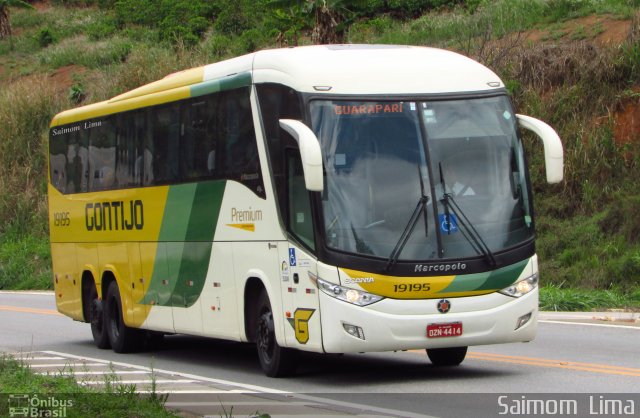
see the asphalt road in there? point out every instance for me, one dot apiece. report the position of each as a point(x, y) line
point(571, 355)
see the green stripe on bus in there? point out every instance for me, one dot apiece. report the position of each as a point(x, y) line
point(498, 279)
point(227, 83)
point(506, 276)
point(205, 211)
point(466, 282)
point(166, 265)
point(199, 241)
point(177, 211)
point(185, 243)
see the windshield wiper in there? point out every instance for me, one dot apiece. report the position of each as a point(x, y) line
point(408, 230)
point(468, 230)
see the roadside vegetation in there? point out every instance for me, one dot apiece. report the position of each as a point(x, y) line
point(573, 63)
point(68, 398)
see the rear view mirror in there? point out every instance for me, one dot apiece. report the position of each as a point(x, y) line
point(553, 153)
point(310, 153)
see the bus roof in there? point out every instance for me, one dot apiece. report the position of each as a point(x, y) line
point(372, 69)
point(332, 69)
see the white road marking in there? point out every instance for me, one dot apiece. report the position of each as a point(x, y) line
point(236, 403)
point(546, 321)
point(37, 366)
point(196, 391)
point(250, 388)
point(245, 388)
point(141, 381)
point(105, 372)
point(32, 293)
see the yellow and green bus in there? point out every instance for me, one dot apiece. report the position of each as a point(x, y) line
point(332, 199)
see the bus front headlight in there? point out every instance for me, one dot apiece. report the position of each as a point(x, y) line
point(521, 287)
point(356, 297)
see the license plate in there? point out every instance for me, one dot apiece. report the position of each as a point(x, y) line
point(452, 329)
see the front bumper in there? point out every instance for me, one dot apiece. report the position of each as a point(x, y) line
point(393, 324)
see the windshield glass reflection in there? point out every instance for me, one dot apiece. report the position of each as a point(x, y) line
point(382, 158)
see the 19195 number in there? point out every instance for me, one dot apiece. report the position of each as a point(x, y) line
point(411, 287)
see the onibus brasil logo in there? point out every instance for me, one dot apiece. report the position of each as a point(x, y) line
point(23, 405)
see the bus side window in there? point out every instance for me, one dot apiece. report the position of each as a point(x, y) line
point(58, 161)
point(129, 163)
point(166, 142)
point(73, 164)
point(212, 138)
point(279, 102)
point(102, 151)
point(239, 148)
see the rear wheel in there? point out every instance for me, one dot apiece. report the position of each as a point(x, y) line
point(275, 361)
point(447, 356)
point(96, 318)
point(123, 339)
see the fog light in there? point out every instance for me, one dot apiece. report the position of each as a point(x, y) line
point(523, 320)
point(353, 330)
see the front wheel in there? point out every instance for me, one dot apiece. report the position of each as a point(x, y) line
point(123, 339)
point(447, 356)
point(275, 361)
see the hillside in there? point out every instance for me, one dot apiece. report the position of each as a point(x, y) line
point(572, 63)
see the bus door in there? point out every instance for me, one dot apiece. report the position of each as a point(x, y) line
point(298, 265)
point(299, 297)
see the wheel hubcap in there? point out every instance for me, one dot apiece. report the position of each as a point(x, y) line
point(265, 335)
point(114, 318)
point(96, 314)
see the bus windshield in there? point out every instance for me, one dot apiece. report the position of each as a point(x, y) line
point(422, 179)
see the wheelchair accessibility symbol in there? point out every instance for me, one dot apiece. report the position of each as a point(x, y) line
point(292, 257)
point(448, 224)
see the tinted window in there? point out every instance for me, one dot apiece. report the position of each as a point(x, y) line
point(279, 102)
point(76, 166)
point(204, 138)
point(129, 149)
point(165, 128)
point(102, 155)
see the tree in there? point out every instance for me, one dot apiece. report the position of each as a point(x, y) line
point(5, 23)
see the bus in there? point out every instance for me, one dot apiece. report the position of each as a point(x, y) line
point(330, 199)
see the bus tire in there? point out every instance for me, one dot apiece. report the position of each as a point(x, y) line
point(96, 318)
point(452, 356)
point(275, 361)
point(123, 339)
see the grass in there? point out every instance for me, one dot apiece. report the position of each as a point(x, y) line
point(592, 252)
point(554, 298)
point(114, 400)
point(25, 262)
point(26, 107)
point(78, 51)
point(461, 30)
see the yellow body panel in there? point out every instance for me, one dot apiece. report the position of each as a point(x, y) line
point(83, 238)
point(108, 107)
point(107, 217)
point(170, 82)
point(67, 281)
